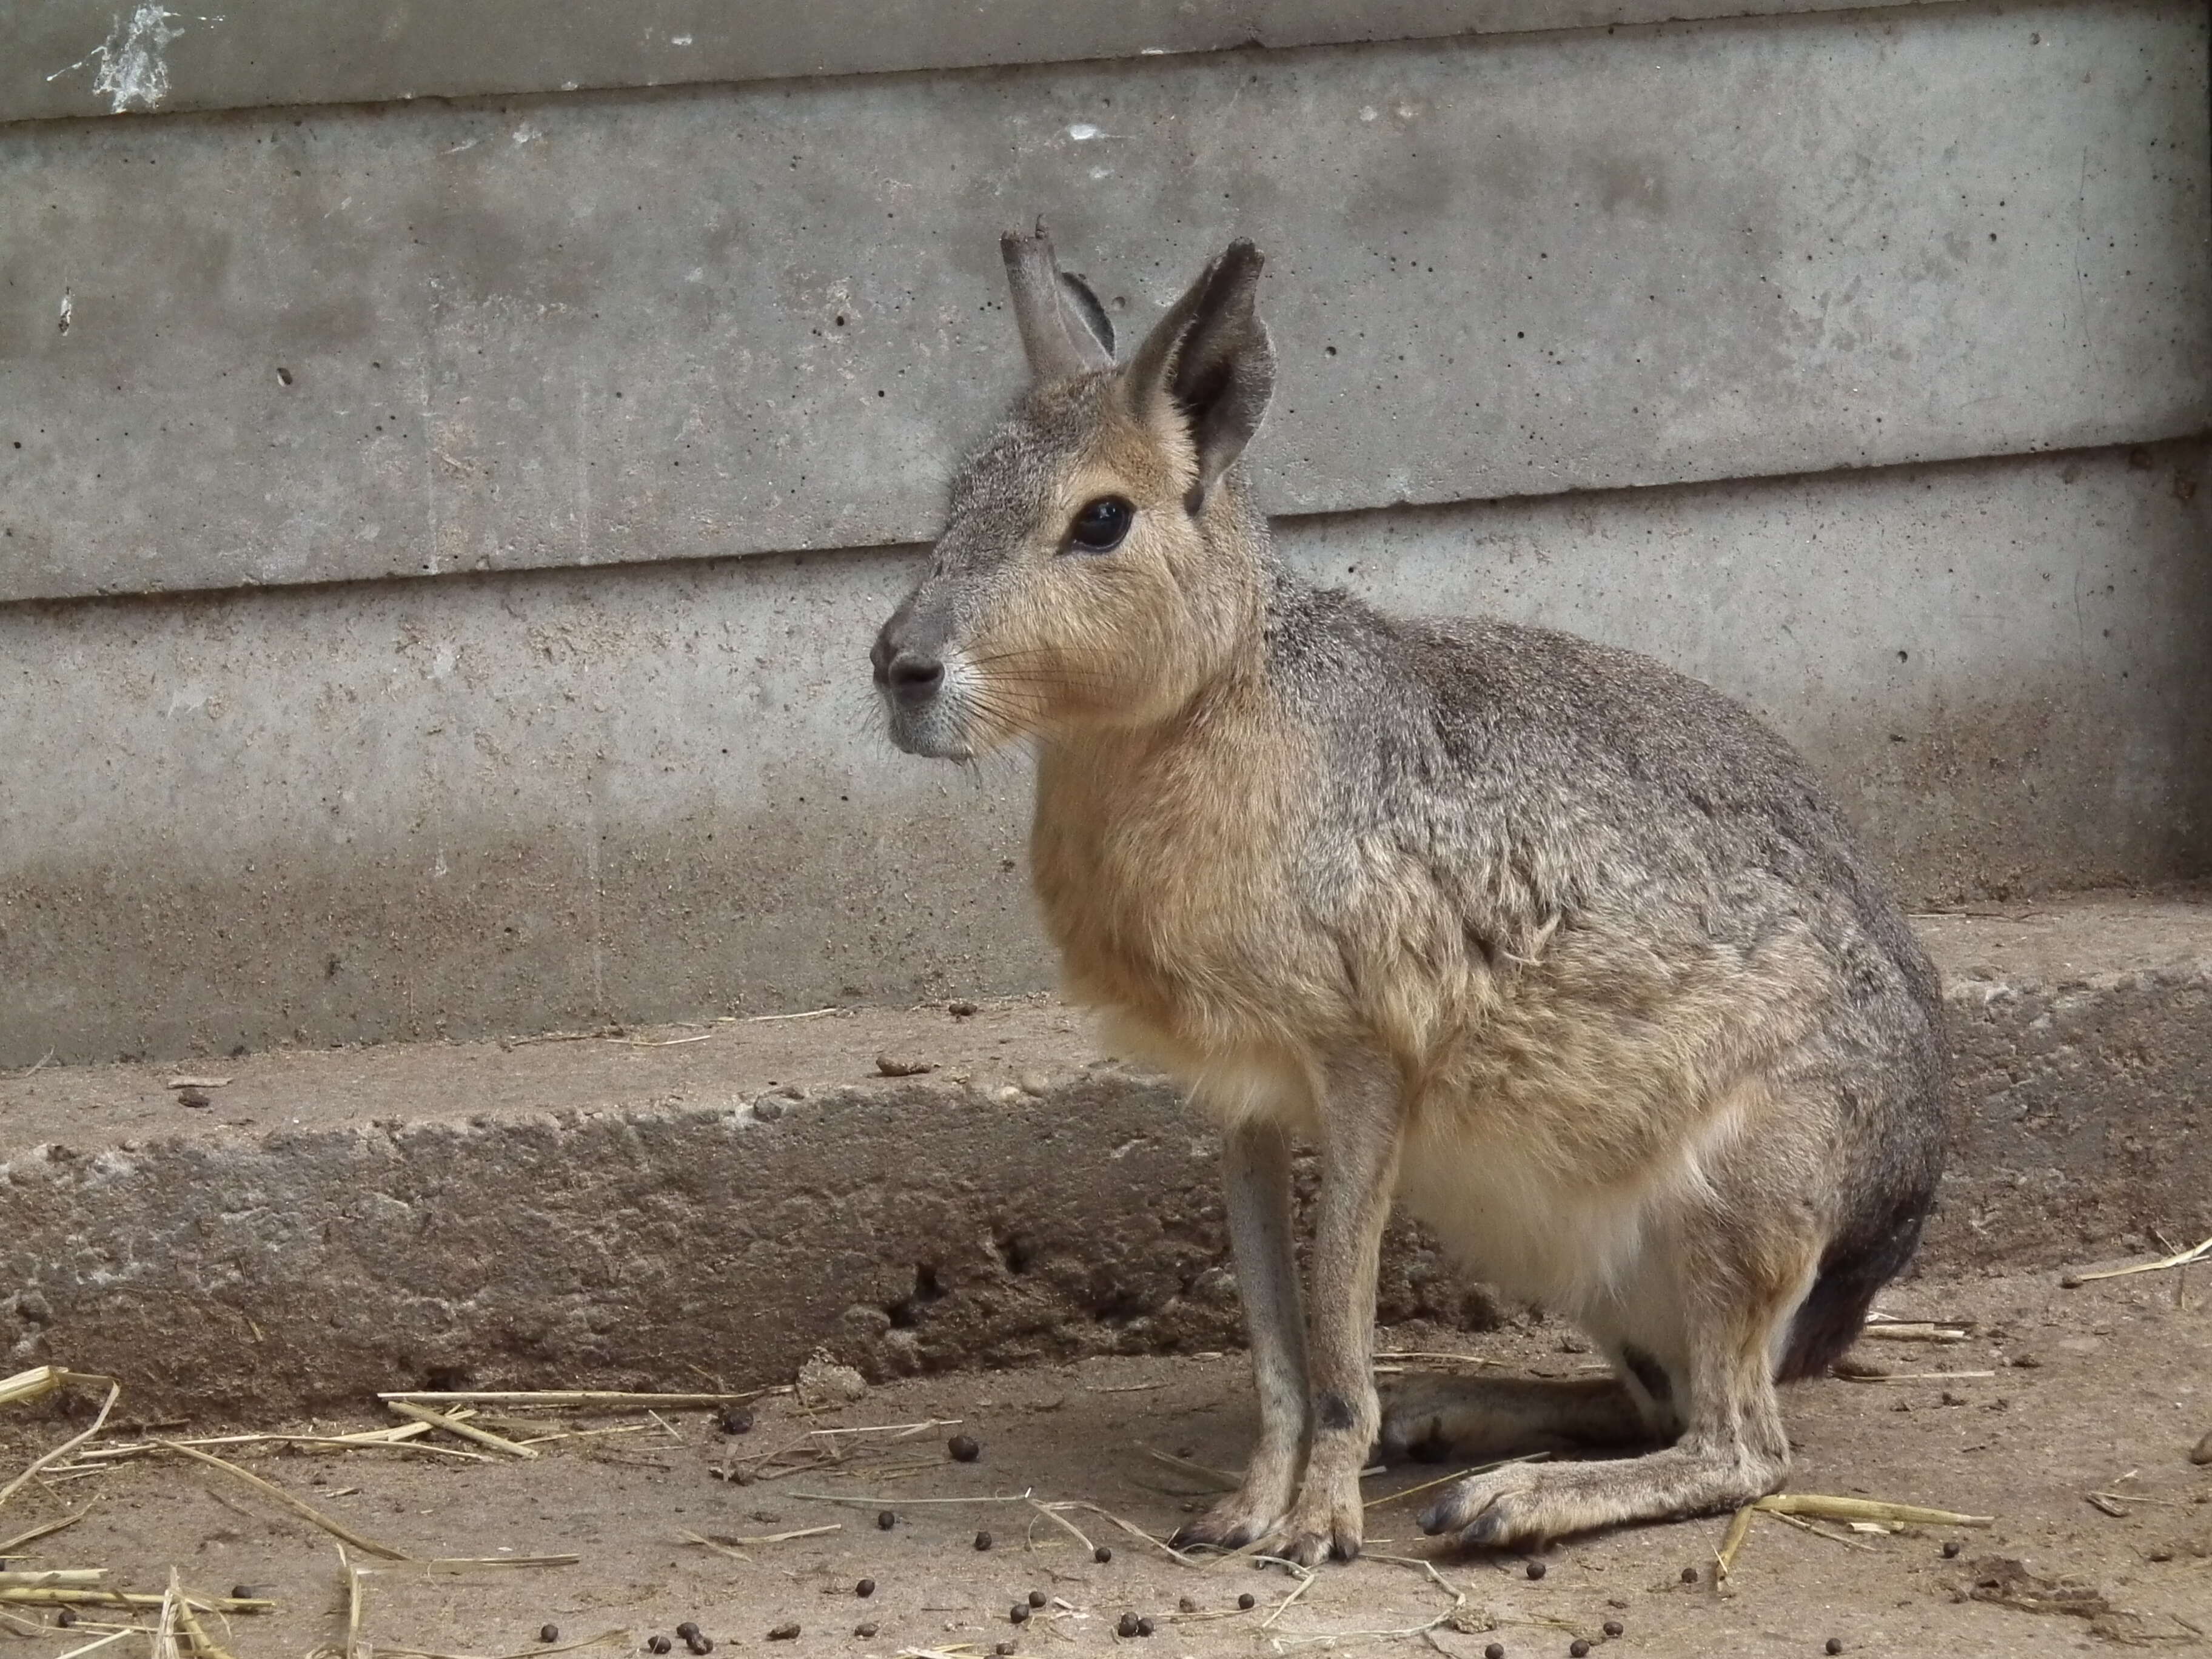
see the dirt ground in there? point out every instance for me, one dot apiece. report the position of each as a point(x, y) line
point(2099, 1390)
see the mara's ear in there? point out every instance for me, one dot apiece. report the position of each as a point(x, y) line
point(1060, 320)
point(1092, 315)
point(1210, 363)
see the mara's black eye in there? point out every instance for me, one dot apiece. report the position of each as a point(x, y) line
point(1099, 528)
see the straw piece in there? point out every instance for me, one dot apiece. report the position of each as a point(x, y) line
point(94, 1646)
point(353, 1604)
point(599, 1641)
point(57, 1575)
point(735, 1547)
point(44, 1529)
point(1064, 1524)
point(2178, 1259)
point(1739, 1528)
point(1866, 1508)
point(408, 1408)
point(466, 1562)
point(71, 1597)
point(589, 1398)
point(203, 1646)
point(114, 1393)
point(304, 1511)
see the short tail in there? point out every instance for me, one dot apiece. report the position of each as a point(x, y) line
point(1853, 1270)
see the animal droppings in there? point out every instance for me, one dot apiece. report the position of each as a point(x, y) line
point(963, 1448)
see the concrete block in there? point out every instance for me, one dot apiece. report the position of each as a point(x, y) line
point(516, 802)
point(80, 58)
point(348, 342)
point(618, 1211)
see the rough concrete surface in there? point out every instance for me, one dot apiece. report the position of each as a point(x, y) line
point(78, 58)
point(519, 802)
point(2066, 1394)
point(606, 1211)
point(357, 342)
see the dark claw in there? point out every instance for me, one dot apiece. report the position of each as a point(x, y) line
point(1485, 1529)
point(1341, 1551)
point(1437, 1517)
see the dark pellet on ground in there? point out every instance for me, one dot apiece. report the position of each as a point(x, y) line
point(1144, 1627)
point(550, 1633)
point(1536, 1568)
point(1495, 1650)
point(964, 1448)
point(1578, 1649)
point(960, 1006)
point(865, 1631)
point(1248, 1601)
point(1126, 1626)
point(1186, 1605)
point(866, 1588)
point(784, 1633)
point(1614, 1627)
point(1951, 1547)
point(658, 1644)
point(1019, 1613)
point(1038, 1598)
point(1689, 1575)
point(687, 1631)
point(738, 1419)
point(701, 1644)
point(1102, 1555)
point(1833, 1644)
point(65, 1618)
point(885, 1520)
point(982, 1541)
point(1004, 1650)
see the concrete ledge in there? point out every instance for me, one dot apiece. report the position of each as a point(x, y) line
point(78, 58)
point(617, 1210)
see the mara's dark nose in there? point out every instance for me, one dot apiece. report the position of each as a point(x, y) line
point(908, 675)
point(915, 680)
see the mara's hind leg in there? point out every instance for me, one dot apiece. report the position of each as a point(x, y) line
point(1433, 1418)
point(1732, 1450)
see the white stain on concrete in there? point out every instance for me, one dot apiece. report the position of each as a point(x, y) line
point(679, 40)
point(134, 70)
point(524, 135)
point(68, 311)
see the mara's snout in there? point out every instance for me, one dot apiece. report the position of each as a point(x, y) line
point(918, 688)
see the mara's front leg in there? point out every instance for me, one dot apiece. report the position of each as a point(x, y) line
point(1362, 1125)
point(1256, 1169)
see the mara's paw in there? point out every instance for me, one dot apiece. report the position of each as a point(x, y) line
point(1230, 1524)
point(1322, 1526)
point(1503, 1508)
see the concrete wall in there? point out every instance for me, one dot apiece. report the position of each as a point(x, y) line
point(1906, 313)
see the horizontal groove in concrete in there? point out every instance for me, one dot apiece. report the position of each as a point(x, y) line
point(618, 1210)
point(355, 343)
point(86, 57)
point(394, 811)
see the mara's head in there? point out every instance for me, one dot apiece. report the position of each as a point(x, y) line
point(1100, 562)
